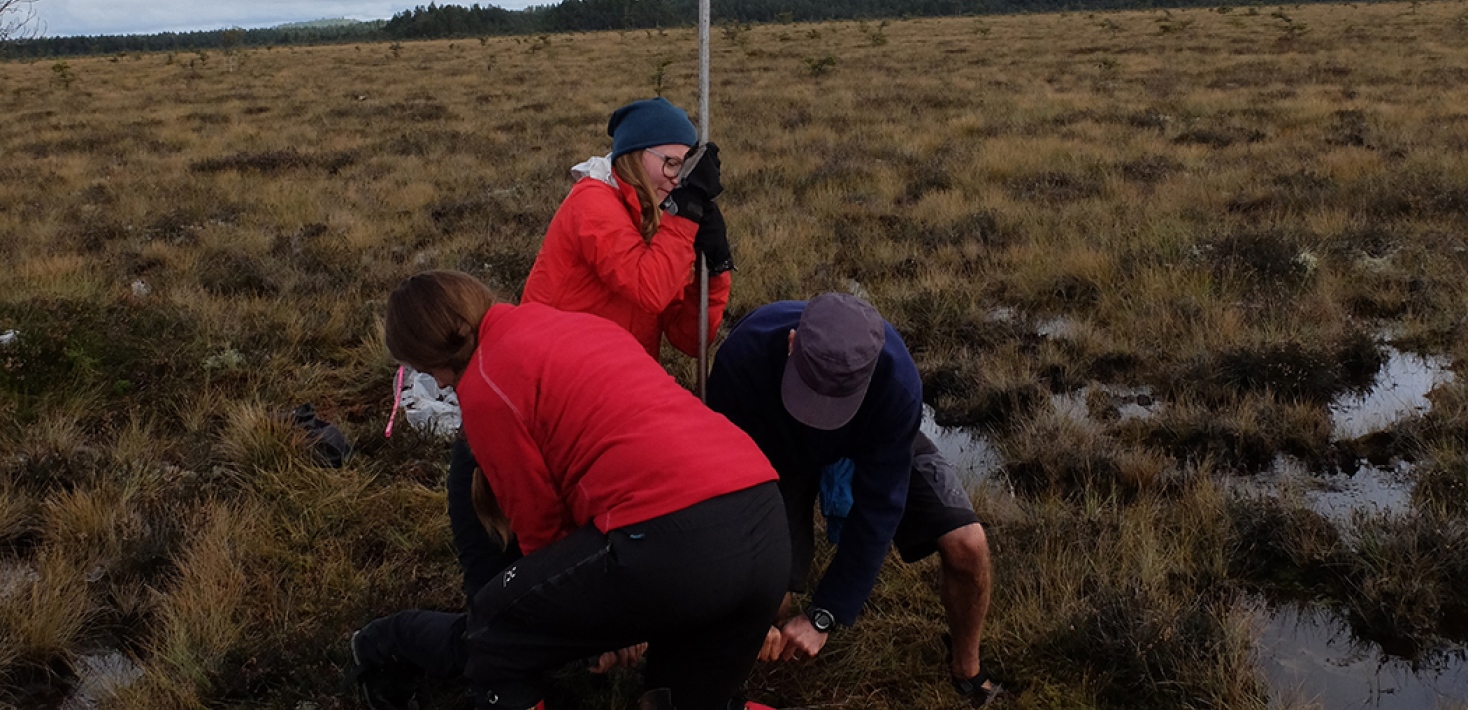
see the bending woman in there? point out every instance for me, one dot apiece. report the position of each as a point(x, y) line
point(621, 246)
point(643, 515)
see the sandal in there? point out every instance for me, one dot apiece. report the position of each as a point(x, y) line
point(980, 690)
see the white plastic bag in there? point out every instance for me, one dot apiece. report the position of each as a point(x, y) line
point(429, 407)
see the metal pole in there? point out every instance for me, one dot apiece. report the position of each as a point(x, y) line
point(703, 70)
point(704, 12)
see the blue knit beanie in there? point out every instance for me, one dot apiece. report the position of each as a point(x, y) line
point(649, 123)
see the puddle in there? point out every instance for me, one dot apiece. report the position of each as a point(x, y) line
point(1377, 489)
point(974, 457)
point(1371, 489)
point(1126, 402)
point(98, 677)
point(1309, 657)
point(1400, 391)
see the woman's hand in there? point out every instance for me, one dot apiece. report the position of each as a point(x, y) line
point(774, 644)
point(625, 658)
point(712, 240)
point(706, 176)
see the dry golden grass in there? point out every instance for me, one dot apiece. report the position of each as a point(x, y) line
point(44, 611)
point(1220, 206)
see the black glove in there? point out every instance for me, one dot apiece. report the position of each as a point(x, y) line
point(687, 203)
point(705, 175)
point(712, 240)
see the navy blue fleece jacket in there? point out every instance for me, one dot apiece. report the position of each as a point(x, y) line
point(744, 385)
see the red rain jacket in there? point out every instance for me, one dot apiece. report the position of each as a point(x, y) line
point(572, 423)
point(594, 260)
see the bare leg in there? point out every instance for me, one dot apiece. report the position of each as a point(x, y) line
point(964, 588)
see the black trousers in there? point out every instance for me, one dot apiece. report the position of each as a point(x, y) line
point(701, 586)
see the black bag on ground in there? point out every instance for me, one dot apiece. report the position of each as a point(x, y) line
point(328, 445)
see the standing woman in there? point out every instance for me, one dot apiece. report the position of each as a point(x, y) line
point(643, 515)
point(621, 246)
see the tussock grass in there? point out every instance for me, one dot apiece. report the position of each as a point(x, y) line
point(1209, 205)
point(1116, 629)
point(1387, 573)
point(45, 610)
point(16, 514)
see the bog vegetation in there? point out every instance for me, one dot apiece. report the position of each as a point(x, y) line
point(1235, 210)
point(480, 21)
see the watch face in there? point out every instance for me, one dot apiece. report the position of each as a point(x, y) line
point(822, 619)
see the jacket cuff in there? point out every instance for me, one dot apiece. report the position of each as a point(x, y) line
point(844, 613)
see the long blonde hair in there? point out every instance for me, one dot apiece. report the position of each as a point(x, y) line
point(629, 169)
point(433, 319)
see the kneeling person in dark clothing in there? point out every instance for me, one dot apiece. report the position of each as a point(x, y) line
point(601, 465)
point(815, 383)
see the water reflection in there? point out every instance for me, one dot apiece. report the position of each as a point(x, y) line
point(1309, 657)
point(1124, 402)
point(974, 457)
point(1400, 391)
point(1371, 489)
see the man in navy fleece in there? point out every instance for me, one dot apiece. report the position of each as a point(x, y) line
point(829, 380)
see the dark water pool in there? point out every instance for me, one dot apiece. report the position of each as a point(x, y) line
point(972, 454)
point(1399, 391)
point(1310, 659)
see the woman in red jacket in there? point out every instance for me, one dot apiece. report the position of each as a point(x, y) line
point(623, 243)
point(643, 515)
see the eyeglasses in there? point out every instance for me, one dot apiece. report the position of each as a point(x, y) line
point(671, 165)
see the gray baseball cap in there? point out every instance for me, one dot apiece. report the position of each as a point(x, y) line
point(837, 343)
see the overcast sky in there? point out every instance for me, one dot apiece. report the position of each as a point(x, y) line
point(95, 17)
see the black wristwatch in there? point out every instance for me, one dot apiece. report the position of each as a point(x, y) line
point(821, 619)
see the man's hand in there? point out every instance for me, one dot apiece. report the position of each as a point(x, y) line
point(774, 643)
point(625, 658)
point(801, 639)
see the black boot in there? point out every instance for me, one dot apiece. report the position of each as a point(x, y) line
point(382, 682)
point(660, 699)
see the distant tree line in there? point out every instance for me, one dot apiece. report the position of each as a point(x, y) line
point(446, 21)
point(192, 41)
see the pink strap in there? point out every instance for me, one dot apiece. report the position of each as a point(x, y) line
point(397, 401)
